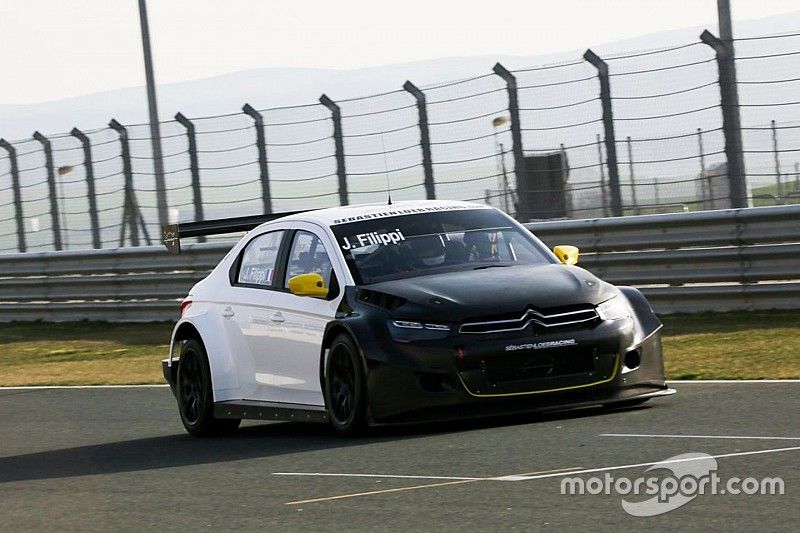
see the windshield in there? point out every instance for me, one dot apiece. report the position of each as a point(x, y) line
point(407, 246)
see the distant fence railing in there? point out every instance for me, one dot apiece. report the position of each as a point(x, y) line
point(735, 259)
point(634, 133)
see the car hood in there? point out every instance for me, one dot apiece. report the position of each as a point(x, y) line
point(455, 296)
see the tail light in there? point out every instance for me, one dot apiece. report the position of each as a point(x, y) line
point(185, 304)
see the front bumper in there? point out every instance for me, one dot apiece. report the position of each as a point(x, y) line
point(430, 380)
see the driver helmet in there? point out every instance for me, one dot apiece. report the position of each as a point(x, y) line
point(427, 250)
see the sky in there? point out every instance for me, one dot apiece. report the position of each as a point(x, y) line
point(54, 49)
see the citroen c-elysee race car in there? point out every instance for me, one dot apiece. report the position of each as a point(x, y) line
point(414, 311)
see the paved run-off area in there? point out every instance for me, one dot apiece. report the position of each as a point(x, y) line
point(118, 458)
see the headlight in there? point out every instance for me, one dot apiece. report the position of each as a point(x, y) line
point(614, 309)
point(410, 330)
point(419, 325)
point(407, 324)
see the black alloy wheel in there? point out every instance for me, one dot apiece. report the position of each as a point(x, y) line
point(345, 394)
point(194, 394)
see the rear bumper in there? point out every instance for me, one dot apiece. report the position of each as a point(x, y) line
point(170, 373)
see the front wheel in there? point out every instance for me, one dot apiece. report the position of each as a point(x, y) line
point(345, 387)
point(194, 393)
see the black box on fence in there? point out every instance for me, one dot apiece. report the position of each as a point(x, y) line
point(542, 187)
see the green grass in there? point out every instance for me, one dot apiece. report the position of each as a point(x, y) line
point(755, 345)
point(82, 353)
point(765, 196)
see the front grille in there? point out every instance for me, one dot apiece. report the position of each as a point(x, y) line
point(547, 319)
point(537, 371)
point(524, 366)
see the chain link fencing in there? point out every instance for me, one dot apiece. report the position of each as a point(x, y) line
point(540, 142)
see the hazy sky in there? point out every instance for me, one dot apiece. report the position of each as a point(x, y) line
point(58, 48)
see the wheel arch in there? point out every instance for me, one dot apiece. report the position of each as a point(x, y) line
point(646, 320)
point(213, 338)
point(332, 330)
point(183, 331)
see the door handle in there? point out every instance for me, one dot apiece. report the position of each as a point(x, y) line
point(227, 312)
point(277, 317)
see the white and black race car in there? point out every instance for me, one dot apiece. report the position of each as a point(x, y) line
point(414, 311)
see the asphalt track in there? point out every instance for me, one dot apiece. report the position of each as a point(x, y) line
point(118, 458)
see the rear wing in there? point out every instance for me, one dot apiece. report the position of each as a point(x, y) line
point(172, 234)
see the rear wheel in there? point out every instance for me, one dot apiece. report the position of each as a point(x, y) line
point(194, 393)
point(345, 387)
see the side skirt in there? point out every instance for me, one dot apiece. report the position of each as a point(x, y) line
point(255, 410)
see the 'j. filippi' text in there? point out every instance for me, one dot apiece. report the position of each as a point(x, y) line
point(367, 239)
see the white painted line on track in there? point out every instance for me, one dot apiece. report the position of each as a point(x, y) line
point(733, 437)
point(562, 472)
point(45, 387)
point(730, 381)
point(383, 491)
point(392, 476)
point(418, 487)
point(639, 465)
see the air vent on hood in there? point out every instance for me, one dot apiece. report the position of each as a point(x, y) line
point(380, 299)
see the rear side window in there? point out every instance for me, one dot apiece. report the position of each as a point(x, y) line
point(259, 259)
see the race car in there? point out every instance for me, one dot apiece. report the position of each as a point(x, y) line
point(414, 311)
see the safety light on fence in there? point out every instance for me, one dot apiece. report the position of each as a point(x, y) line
point(499, 121)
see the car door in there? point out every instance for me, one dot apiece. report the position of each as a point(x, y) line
point(299, 321)
point(246, 312)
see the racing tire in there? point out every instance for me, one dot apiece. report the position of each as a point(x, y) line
point(345, 387)
point(195, 396)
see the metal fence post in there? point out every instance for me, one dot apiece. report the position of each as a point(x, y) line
point(155, 129)
point(261, 144)
point(656, 196)
point(128, 210)
point(338, 141)
point(566, 195)
point(603, 191)
point(705, 181)
point(90, 190)
point(12, 159)
point(55, 218)
point(731, 121)
point(504, 174)
point(778, 181)
point(194, 168)
point(634, 201)
point(608, 127)
point(516, 134)
point(424, 138)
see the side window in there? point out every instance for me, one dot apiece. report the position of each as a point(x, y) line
point(308, 255)
point(259, 258)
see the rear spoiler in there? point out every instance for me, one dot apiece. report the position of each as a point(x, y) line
point(172, 234)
